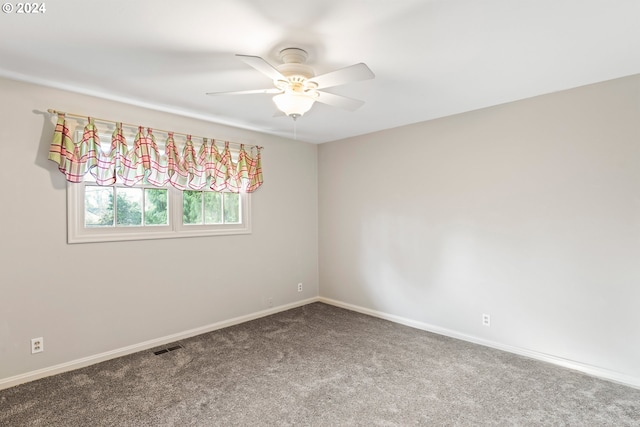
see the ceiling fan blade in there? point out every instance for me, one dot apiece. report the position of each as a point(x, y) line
point(263, 66)
point(353, 73)
point(339, 101)
point(246, 92)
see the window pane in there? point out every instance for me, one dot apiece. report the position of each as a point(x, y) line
point(231, 208)
point(98, 206)
point(192, 207)
point(129, 206)
point(212, 208)
point(155, 206)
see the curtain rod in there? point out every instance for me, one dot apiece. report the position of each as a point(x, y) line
point(85, 116)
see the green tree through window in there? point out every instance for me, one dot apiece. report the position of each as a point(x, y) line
point(208, 207)
point(156, 206)
point(99, 206)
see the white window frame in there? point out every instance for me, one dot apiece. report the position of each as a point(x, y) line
point(78, 233)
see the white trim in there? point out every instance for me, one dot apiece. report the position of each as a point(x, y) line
point(566, 363)
point(97, 358)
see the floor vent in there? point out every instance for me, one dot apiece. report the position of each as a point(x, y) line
point(167, 350)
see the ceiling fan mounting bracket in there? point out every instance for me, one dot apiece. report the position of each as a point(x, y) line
point(293, 55)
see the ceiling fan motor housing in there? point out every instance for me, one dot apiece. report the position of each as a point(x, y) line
point(295, 69)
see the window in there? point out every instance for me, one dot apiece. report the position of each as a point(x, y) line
point(143, 211)
point(208, 207)
point(115, 213)
point(125, 207)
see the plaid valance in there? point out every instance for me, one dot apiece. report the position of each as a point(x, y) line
point(209, 166)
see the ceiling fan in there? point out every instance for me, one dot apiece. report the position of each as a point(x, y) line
point(296, 87)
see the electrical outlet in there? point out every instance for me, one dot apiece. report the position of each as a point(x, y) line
point(37, 345)
point(270, 302)
point(300, 287)
point(486, 320)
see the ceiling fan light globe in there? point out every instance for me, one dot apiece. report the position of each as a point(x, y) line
point(293, 103)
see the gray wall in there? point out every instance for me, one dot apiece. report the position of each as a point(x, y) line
point(93, 298)
point(528, 211)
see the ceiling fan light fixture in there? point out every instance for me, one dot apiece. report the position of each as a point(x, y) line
point(294, 104)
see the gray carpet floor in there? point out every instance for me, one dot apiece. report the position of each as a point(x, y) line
point(320, 365)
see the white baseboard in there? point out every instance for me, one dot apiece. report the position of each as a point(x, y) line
point(91, 360)
point(567, 363)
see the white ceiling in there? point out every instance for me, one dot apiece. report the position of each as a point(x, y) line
point(432, 58)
